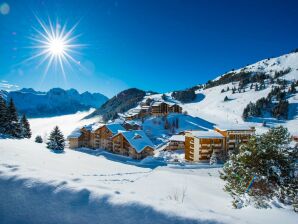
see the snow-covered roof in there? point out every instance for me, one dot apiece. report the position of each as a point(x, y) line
point(231, 127)
point(137, 139)
point(93, 127)
point(115, 128)
point(178, 138)
point(75, 133)
point(206, 134)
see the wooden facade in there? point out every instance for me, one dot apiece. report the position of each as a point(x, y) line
point(102, 138)
point(200, 147)
point(112, 141)
point(235, 137)
point(123, 147)
point(162, 108)
point(176, 142)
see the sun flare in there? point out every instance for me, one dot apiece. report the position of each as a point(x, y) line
point(55, 44)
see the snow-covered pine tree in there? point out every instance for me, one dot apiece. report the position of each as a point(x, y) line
point(56, 140)
point(25, 127)
point(38, 139)
point(13, 127)
point(269, 162)
point(213, 159)
point(3, 118)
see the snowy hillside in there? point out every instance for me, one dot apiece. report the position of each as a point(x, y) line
point(54, 102)
point(212, 106)
point(87, 186)
point(209, 104)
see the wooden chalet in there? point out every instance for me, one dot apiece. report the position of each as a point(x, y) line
point(162, 108)
point(102, 136)
point(235, 135)
point(176, 142)
point(199, 145)
point(134, 144)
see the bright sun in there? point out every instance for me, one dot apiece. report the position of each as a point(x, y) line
point(57, 46)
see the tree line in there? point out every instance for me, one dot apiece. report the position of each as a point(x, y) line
point(10, 124)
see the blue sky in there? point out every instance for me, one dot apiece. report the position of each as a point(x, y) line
point(158, 45)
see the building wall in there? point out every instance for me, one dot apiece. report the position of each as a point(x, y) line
point(175, 145)
point(189, 150)
point(73, 143)
point(200, 149)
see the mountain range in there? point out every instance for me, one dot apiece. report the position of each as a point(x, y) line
point(54, 102)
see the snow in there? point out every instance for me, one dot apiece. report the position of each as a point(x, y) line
point(92, 186)
point(66, 123)
point(75, 133)
point(137, 139)
point(115, 128)
point(206, 134)
point(226, 127)
point(178, 138)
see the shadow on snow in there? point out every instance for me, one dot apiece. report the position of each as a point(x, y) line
point(24, 202)
point(148, 162)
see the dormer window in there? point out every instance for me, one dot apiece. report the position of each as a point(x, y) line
point(137, 136)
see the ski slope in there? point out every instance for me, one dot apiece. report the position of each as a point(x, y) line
point(86, 186)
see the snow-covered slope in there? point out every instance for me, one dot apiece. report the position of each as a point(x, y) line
point(54, 102)
point(210, 105)
point(87, 186)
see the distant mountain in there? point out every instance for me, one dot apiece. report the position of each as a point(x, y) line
point(120, 103)
point(56, 101)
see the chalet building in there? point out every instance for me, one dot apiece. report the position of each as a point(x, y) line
point(176, 142)
point(162, 108)
point(73, 138)
point(102, 136)
point(134, 144)
point(175, 109)
point(235, 135)
point(131, 125)
point(199, 145)
point(80, 138)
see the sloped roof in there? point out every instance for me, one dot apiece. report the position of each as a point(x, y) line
point(206, 134)
point(137, 139)
point(115, 128)
point(75, 133)
point(93, 127)
point(232, 127)
point(178, 138)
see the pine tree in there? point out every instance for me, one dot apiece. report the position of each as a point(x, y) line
point(38, 139)
point(3, 118)
point(226, 98)
point(56, 140)
point(268, 162)
point(13, 127)
point(25, 127)
point(213, 159)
